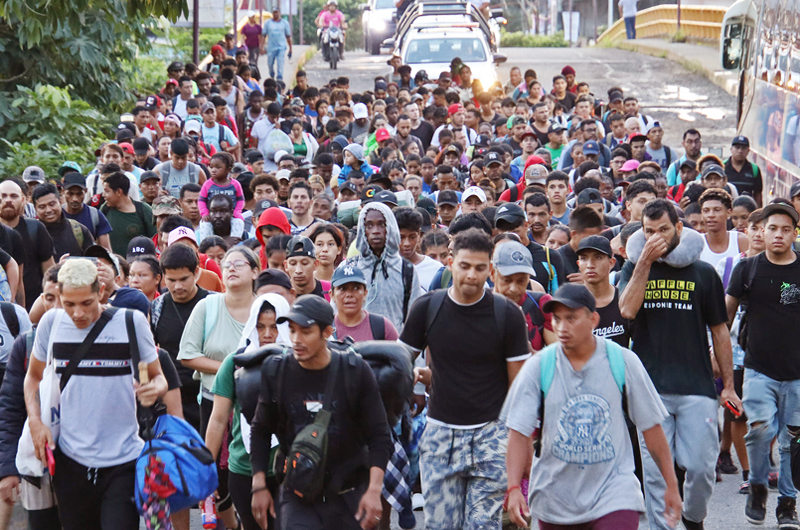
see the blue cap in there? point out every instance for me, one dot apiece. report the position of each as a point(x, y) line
point(347, 274)
point(740, 140)
point(591, 148)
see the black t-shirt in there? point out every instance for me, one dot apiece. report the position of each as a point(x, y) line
point(12, 243)
point(167, 335)
point(568, 102)
point(669, 334)
point(542, 136)
point(149, 164)
point(515, 146)
point(773, 316)
point(468, 357)
point(570, 259)
point(540, 265)
point(38, 249)
point(745, 180)
point(424, 132)
point(318, 290)
point(612, 325)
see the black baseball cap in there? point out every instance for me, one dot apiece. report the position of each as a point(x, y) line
point(147, 175)
point(711, 169)
point(386, 197)
point(141, 146)
point(253, 155)
point(369, 192)
point(175, 66)
point(426, 203)
point(140, 246)
point(492, 157)
point(572, 295)
point(794, 190)
point(263, 205)
point(447, 197)
point(780, 208)
point(555, 127)
point(482, 140)
point(740, 140)
point(510, 213)
point(349, 186)
point(273, 277)
point(518, 120)
point(72, 179)
point(426, 219)
point(96, 251)
point(689, 163)
point(308, 310)
point(300, 246)
point(598, 243)
point(589, 196)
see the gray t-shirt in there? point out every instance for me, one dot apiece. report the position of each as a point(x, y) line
point(98, 405)
point(586, 467)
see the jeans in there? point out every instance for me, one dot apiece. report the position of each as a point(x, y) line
point(771, 407)
point(275, 61)
point(691, 431)
point(331, 513)
point(630, 27)
point(252, 55)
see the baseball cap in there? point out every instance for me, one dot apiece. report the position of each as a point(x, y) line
point(175, 66)
point(637, 136)
point(794, 190)
point(741, 140)
point(598, 243)
point(253, 155)
point(369, 191)
point(712, 169)
point(181, 233)
point(308, 310)
point(482, 140)
point(473, 191)
point(147, 175)
point(207, 106)
point(347, 274)
point(33, 174)
point(416, 97)
point(386, 197)
point(535, 173)
point(273, 277)
point(426, 219)
point(122, 134)
point(447, 197)
point(688, 163)
point(360, 111)
point(300, 246)
point(510, 213)
point(444, 75)
point(381, 85)
point(630, 165)
point(68, 167)
point(283, 174)
point(296, 102)
point(455, 107)
point(141, 146)
point(589, 196)
point(516, 120)
point(140, 246)
point(554, 128)
point(591, 148)
point(426, 203)
point(572, 295)
point(382, 134)
point(615, 96)
point(251, 14)
point(72, 179)
point(568, 70)
point(492, 158)
point(166, 205)
point(126, 147)
point(152, 102)
point(192, 126)
point(349, 186)
point(513, 258)
point(781, 208)
point(96, 251)
point(263, 205)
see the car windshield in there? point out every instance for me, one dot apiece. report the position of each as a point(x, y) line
point(468, 49)
point(384, 4)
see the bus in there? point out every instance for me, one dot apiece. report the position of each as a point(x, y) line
point(761, 40)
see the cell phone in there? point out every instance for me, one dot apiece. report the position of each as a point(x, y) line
point(51, 460)
point(734, 410)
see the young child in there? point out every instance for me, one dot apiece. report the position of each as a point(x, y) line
point(220, 166)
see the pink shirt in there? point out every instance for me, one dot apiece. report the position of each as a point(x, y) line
point(363, 331)
point(336, 18)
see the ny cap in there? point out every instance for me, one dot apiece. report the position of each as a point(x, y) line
point(598, 243)
point(308, 310)
point(572, 295)
point(347, 274)
point(181, 233)
point(513, 258)
point(492, 158)
point(140, 246)
point(300, 246)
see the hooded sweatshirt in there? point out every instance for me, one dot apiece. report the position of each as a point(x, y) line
point(533, 159)
point(272, 217)
point(384, 273)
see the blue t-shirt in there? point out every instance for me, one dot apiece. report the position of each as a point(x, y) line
point(276, 33)
point(85, 218)
point(211, 136)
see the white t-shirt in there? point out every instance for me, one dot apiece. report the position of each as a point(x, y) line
point(6, 338)
point(426, 270)
point(180, 108)
point(98, 405)
point(628, 8)
point(260, 131)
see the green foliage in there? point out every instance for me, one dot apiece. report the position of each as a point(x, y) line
point(180, 41)
point(678, 36)
point(523, 40)
point(146, 76)
point(352, 15)
point(19, 155)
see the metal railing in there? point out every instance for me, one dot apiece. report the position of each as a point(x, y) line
point(697, 22)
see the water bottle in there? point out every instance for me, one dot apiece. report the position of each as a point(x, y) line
point(209, 513)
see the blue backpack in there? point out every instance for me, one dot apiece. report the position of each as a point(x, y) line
point(186, 459)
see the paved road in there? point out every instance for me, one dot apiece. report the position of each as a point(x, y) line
point(678, 98)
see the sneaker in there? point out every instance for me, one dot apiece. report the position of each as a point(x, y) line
point(756, 509)
point(718, 475)
point(744, 487)
point(418, 501)
point(725, 464)
point(691, 525)
point(773, 479)
point(787, 514)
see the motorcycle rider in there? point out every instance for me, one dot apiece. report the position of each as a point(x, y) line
point(331, 16)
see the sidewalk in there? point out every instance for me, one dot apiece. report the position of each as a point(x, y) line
point(290, 66)
point(696, 57)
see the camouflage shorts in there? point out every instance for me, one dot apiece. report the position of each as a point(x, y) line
point(463, 476)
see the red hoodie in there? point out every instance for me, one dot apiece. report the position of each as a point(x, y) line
point(533, 159)
point(270, 217)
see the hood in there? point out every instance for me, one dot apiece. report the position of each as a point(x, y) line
point(392, 232)
point(249, 337)
point(341, 140)
point(687, 252)
point(533, 159)
point(275, 217)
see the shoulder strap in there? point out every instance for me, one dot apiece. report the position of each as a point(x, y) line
point(617, 362)
point(532, 301)
point(212, 313)
point(83, 349)
point(378, 326)
point(95, 217)
point(33, 228)
point(447, 276)
point(513, 193)
point(726, 274)
point(547, 369)
point(408, 284)
point(133, 342)
point(219, 135)
point(10, 316)
point(76, 231)
point(165, 171)
point(336, 360)
point(104, 209)
point(754, 167)
point(668, 152)
point(30, 337)
point(434, 305)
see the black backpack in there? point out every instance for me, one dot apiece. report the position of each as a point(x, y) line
point(749, 272)
point(532, 306)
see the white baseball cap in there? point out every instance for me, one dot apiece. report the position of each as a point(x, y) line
point(192, 126)
point(360, 111)
point(473, 191)
point(283, 174)
point(279, 154)
point(181, 233)
point(251, 14)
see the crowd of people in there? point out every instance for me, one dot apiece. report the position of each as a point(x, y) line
point(527, 241)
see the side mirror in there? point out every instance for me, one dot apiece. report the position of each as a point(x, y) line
point(500, 58)
point(363, 7)
point(732, 46)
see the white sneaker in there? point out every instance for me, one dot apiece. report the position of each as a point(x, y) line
point(417, 501)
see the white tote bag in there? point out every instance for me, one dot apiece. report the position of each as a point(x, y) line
point(50, 402)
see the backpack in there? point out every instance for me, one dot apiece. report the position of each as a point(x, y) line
point(139, 212)
point(408, 284)
point(749, 272)
point(10, 317)
point(192, 169)
point(548, 369)
point(537, 317)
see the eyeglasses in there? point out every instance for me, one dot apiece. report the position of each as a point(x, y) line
point(236, 264)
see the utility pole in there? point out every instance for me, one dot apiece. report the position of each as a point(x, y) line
point(300, 10)
point(235, 25)
point(196, 32)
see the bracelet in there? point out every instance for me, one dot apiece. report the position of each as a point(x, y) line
point(257, 490)
point(512, 488)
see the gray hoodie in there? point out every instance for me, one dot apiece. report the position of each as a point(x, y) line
point(384, 274)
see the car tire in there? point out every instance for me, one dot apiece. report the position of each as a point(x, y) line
point(374, 47)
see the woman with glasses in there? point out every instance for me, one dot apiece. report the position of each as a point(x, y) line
point(212, 333)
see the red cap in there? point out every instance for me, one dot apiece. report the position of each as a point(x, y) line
point(217, 48)
point(172, 82)
point(382, 134)
point(128, 148)
point(567, 70)
point(455, 107)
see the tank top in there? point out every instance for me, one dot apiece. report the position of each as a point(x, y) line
point(230, 99)
point(732, 251)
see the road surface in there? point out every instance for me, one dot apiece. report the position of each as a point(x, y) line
point(679, 99)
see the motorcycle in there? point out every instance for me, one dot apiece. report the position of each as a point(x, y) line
point(331, 44)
